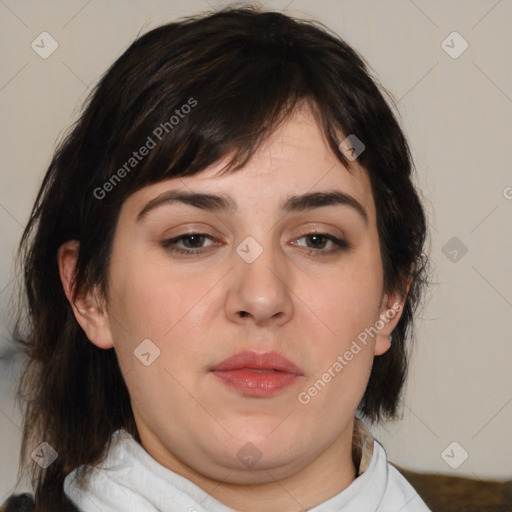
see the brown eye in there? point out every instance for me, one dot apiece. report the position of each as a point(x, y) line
point(317, 243)
point(191, 243)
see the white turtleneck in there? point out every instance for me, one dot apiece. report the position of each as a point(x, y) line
point(131, 480)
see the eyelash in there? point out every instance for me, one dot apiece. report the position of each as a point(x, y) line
point(340, 245)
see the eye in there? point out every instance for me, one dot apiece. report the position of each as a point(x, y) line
point(192, 243)
point(317, 243)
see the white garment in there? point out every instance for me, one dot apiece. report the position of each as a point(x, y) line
point(131, 480)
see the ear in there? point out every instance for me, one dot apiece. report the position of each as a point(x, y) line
point(87, 306)
point(390, 312)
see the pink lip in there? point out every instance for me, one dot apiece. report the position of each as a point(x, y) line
point(253, 374)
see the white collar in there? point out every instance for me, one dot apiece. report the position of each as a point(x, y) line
point(130, 479)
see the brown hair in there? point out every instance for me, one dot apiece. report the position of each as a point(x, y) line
point(242, 71)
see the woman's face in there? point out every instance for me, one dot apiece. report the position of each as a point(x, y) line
point(264, 275)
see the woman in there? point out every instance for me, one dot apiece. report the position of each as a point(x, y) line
point(221, 271)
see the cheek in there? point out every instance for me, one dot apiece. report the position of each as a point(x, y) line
point(343, 358)
point(154, 302)
point(153, 299)
point(348, 301)
point(347, 304)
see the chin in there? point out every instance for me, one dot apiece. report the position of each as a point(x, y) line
point(266, 470)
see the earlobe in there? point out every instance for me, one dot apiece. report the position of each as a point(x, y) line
point(390, 313)
point(89, 312)
point(382, 344)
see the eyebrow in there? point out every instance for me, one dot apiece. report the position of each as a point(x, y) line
point(217, 203)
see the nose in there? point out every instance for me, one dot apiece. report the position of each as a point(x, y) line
point(260, 289)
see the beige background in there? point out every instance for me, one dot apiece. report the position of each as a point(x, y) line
point(457, 113)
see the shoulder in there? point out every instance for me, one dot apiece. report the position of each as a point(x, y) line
point(19, 503)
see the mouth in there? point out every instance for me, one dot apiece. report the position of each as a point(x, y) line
point(258, 375)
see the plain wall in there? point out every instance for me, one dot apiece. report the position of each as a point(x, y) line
point(457, 113)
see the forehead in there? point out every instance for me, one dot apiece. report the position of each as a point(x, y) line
point(294, 160)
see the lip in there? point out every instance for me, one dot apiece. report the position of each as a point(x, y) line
point(257, 374)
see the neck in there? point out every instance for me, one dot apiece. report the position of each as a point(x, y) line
point(327, 475)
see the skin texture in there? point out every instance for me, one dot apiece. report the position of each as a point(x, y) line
point(307, 307)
